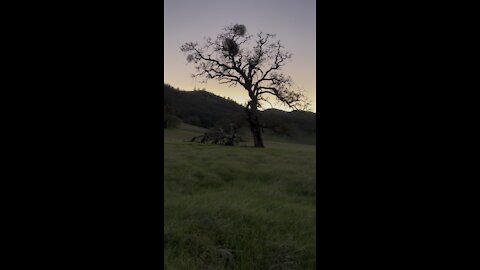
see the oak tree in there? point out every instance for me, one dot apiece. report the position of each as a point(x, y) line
point(253, 61)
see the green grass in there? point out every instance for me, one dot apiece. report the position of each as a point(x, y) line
point(238, 207)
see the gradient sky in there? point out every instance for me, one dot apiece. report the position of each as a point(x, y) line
point(191, 20)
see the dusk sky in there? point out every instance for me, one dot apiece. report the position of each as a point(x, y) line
point(293, 21)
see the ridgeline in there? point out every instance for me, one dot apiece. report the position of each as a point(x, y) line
point(204, 109)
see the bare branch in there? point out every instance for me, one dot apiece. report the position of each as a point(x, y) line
point(252, 61)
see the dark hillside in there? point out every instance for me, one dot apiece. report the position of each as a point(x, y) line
point(204, 109)
point(201, 108)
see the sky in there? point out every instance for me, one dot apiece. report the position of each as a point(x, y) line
point(293, 22)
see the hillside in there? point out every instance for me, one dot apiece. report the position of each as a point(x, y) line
point(204, 109)
point(200, 108)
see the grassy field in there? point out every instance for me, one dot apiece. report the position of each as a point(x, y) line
point(238, 207)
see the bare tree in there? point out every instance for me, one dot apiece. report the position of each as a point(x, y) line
point(254, 62)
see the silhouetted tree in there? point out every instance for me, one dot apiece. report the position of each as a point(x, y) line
point(253, 62)
point(169, 118)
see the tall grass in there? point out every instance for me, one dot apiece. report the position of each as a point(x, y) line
point(238, 207)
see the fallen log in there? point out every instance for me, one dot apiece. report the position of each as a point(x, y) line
point(217, 136)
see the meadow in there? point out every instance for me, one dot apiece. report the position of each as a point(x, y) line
point(238, 207)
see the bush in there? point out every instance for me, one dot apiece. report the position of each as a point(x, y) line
point(170, 121)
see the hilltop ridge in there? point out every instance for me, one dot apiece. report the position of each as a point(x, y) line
point(205, 109)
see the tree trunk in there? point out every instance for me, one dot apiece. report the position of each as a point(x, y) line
point(255, 126)
point(257, 137)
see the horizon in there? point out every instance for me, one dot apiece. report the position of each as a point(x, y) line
point(230, 99)
point(270, 16)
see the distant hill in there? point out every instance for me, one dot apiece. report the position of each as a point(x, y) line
point(204, 109)
point(201, 108)
point(290, 122)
